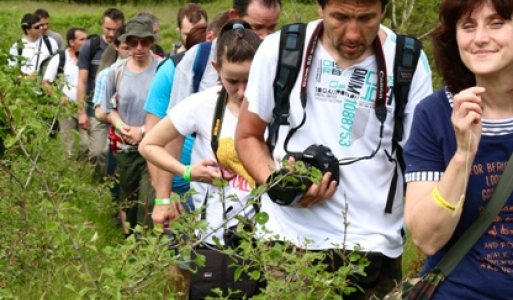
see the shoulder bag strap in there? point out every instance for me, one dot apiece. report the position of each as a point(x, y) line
point(476, 230)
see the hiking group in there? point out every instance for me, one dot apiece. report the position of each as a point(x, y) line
point(238, 102)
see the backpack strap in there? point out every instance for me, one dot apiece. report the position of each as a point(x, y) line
point(176, 58)
point(200, 63)
point(94, 45)
point(48, 44)
point(62, 61)
point(118, 74)
point(19, 45)
point(292, 40)
point(407, 55)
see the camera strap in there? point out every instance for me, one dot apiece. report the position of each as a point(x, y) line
point(379, 102)
point(217, 120)
point(217, 124)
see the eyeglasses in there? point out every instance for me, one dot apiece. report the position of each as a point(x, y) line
point(143, 42)
point(37, 27)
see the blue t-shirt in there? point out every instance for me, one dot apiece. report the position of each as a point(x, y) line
point(486, 272)
point(157, 103)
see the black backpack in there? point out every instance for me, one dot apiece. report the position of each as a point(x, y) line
point(94, 45)
point(292, 40)
point(60, 68)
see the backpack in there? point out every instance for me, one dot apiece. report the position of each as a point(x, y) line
point(292, 39)
point(46, 61)
point(94, 45)
point(199, 65)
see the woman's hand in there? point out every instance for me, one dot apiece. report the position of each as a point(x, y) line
point(466, 119)
point(205, 171)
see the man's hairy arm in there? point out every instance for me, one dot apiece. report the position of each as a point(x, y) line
point(251, 146)
point(83, 120)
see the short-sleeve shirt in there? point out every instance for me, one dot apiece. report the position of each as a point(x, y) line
point(132, 91)
point(70, 74)
point(486, 271)
point(184, 75)
point(194, 115)
point(339, 114)
point(90, 61)
point(33, 52)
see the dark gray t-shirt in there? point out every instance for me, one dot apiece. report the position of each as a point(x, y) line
point(91, 61)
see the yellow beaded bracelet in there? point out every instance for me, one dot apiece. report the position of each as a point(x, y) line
point(441, 201)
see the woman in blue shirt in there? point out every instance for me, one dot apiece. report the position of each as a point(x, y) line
point(461, 139)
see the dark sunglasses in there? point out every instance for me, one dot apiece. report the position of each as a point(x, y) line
point(37, 26)
point(142, 42)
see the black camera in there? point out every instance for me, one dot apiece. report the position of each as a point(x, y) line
point(232, 238)
point(290, 191)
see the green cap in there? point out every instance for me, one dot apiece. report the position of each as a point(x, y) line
point(140, 26)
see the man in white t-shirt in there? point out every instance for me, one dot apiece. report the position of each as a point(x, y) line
point(341, 88)
point(75, 38)
point(33, 47)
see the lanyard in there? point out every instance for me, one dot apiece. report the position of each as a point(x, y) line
point(379, 102)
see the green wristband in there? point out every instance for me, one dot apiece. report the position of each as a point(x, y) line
point(119, 125)
point(162, 201)
point(187, 173)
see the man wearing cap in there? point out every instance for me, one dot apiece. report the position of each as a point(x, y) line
point(127, 84)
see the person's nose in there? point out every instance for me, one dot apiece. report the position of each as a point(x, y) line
point(241, 89)
point(352, 32)
point(481, 35)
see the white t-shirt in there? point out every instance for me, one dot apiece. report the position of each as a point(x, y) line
point(34, 53)
point(340, 115)
point(70, 74)
point(194, 115)
point(183, 81)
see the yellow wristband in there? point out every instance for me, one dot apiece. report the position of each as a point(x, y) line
point(441, 201)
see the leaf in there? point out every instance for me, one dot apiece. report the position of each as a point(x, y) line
point(237, 273)
point(10, 140)
point(70, 287)
point(255, 275)
point(95, 237)
point(261, 218)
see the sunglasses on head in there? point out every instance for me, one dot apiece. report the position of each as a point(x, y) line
point(143, 42)
point(235, 25)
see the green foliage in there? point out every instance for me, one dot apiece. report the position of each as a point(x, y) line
point(57, 238)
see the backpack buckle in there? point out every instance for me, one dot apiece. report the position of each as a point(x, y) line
point(284, 118)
